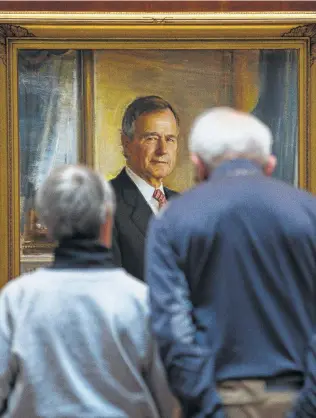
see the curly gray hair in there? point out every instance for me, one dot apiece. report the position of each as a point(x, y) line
point(74, 201)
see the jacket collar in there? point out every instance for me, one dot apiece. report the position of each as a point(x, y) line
point(129, 188)
point(140, 211)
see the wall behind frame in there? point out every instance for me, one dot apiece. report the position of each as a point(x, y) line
point(159, 6)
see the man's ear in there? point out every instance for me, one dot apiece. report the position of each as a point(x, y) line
point(270, 165)
point(201, 170)
point(106, 231)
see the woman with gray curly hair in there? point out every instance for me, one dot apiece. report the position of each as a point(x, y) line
point(75, 339)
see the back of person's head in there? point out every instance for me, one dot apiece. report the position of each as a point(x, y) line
point(224, 133)
point(74, 201)
point(141, 105)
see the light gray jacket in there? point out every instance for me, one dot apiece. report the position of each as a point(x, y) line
point(77, 343)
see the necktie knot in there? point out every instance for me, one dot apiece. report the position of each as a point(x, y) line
point(160, 197)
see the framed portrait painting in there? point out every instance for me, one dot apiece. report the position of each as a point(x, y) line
point(69, 78)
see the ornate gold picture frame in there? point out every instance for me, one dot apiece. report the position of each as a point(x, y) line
point(103, 61)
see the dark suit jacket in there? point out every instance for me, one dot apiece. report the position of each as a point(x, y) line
point(130, 226)
point(232, 275)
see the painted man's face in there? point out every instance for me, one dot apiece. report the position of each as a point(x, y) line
point(152, 152)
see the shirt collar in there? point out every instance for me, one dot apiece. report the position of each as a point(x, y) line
point(236, 168)
point(146, 189)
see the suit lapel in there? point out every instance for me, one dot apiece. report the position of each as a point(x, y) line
point(140, 211)
point(169, 193)
point(141, 214)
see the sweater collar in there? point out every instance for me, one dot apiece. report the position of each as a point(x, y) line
point(83, 254)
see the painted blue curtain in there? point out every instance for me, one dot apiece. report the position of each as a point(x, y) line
point(48, 117)
point(278, 107)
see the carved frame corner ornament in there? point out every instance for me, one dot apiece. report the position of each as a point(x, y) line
point(11, 31)
point(308, 31)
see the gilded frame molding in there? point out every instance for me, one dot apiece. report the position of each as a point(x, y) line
point(88, 31)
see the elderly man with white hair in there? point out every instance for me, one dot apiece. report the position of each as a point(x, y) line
point(231, 267)
point(75, 339)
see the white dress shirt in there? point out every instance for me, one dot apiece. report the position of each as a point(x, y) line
point(146, 189)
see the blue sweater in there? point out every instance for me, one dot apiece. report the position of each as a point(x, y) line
point(231, 266)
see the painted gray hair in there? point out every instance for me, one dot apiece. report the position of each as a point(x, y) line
point(222, 131)
point(141, 105)
point(74, 201)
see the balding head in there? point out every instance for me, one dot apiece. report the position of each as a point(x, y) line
point(224, 133)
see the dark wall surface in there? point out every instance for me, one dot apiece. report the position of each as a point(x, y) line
point(158, 6)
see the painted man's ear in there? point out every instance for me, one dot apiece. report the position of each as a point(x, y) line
point(125, 140)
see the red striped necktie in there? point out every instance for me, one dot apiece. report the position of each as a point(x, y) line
point(160, 197)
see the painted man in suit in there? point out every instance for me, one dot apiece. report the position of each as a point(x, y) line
point(150, 130)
